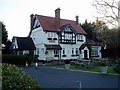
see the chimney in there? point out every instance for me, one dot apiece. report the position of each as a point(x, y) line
point(31, 20)
point(31, 24)
point(57, 17)
point(77, 20)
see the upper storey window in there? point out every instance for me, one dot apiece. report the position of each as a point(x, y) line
point(67, 35)
point(52, 36)
point(79, 37)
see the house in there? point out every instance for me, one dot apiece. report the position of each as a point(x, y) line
point(95, 48)
point(23, 45)
point(55, 38)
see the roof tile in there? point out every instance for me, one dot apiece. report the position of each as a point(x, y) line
point(48, 24)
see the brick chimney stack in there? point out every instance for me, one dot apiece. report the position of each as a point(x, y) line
point(77, 20)
point(57, 17)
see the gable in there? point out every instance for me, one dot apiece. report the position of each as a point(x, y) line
point(24, 43)
point(35, 23)
point(67, 28)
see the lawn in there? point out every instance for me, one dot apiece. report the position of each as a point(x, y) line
point(91, 67)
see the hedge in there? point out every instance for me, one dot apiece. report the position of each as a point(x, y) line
point(15, 78)
point(67, 61)
point(16, 59)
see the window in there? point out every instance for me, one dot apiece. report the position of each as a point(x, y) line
point(55, 52)
point(80, 37)
point(95, 51)
point(37, 51)
point(67, 36)
point(72, 51)
point(76, 51)
point(63, 51)
point(52, 35)
point(49, 35)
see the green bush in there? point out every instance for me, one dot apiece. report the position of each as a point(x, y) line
point(16, 59)
point(117, 68)
point(67, 61)
point(14, 78)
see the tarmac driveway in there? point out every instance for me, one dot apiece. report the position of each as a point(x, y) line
point(61, 78)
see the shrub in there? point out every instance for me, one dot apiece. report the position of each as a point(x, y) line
point(117, 68)
point(15, 78)
point(67, 61)
point(43, 61)
point(16, 59)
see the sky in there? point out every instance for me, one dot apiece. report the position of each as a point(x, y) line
point(15, 14)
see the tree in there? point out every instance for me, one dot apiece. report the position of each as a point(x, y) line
point(109, 9)
point(102, 32)
point(4, 33)
point(88, 29)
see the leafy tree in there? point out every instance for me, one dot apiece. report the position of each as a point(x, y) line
point(8, 48)
point(88, 29)
point(102, 32)
point(4, 33)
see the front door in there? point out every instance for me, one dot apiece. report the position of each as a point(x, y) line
point(85, 54)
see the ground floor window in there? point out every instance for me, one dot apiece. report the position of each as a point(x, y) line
point(55, 52)
point(95, 51)
point(63, 51)
point(37, 51)
point(76, 51)
point(72, 51)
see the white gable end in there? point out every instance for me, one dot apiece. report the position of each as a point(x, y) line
point(35, 23)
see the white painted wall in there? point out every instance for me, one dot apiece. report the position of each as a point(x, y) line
point(40, 38)
point(82, 53)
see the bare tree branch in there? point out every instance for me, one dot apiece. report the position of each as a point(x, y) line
point(109, 10)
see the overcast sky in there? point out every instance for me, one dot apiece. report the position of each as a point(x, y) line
point(15, 14)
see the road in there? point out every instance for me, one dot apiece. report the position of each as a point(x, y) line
point(61, 78)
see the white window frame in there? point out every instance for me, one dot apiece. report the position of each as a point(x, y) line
point(79, 37)
point(95, 51)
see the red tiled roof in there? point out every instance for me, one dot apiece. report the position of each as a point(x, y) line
point(48, 24)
